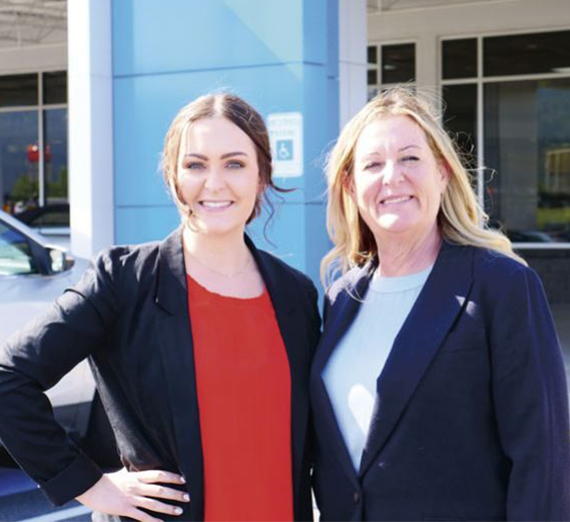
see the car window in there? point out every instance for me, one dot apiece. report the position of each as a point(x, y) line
point(15, 254)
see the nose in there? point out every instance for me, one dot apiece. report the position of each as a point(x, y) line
point(214, 180)
point(391, 173)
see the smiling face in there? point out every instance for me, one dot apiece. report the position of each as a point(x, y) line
point(397, 181)
point(218, 176)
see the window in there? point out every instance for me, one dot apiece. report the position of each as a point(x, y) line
point(518, 92)
point(459, 58)
point(526, 54)
point(15, 254)
point(527, 145)
point(19, 90)
point(460, 117)
point(33, 140)
point(390, 64)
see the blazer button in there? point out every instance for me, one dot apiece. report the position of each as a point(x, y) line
point(356, 497)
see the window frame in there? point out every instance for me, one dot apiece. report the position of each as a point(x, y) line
point(40, 107)
point(388, 43)
point(480, 81)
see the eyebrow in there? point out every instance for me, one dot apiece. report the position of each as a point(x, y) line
point(376, 153)
point(223, 156)
point(412, 146)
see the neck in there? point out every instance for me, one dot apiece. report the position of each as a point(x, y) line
point(225, 254)
point(401, 256)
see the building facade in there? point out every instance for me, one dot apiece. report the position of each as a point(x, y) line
point(501, 68)
point(88, 88)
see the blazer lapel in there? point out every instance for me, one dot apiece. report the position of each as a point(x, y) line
point(178, 359)
point(284, 299)
point(424, 330)
point(339, 318)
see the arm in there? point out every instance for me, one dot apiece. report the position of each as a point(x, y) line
point(531, 400)
point(33, 360)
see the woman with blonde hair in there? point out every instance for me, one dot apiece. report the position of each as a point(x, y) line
point(201, 346)
point(438, 387)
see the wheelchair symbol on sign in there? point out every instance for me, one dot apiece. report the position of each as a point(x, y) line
point(284, 149)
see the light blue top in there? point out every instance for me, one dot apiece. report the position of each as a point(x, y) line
point(352, 370)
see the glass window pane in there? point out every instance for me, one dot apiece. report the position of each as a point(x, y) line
point(15, 254)
point(398, 63)
point(19, 158)
point(55, 87)
point(372, 51)
point(372, 77)
point(18, 90)
point(55, 124)
point(460, 117)
point(527, 151)
point(459, 58)
point(526, 54)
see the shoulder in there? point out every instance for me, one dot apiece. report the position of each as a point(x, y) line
point(495, 267)
point(119, 258)
point(503, 278)
point(285, 272)
point(122, 266)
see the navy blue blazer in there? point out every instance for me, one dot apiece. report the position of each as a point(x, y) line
point(129, 315)
point(471, 413)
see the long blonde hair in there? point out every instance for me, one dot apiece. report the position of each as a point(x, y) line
point(461, 219)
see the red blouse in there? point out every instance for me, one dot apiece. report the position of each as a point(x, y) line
point(244, 396)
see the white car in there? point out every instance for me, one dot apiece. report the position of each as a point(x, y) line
point(33, 273)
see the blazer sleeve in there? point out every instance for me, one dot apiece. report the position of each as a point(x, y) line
point(37, 357)
point(531, 401)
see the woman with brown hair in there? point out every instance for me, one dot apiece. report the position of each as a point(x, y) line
point(200, 346)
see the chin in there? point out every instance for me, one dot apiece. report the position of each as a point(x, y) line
point(393, 223)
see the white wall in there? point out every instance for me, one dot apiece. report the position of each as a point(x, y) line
point(426, 26)
point(352, 54)
point(33, 59)
point(90, 126)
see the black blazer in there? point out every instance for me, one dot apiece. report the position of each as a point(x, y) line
point(129, 315)
point(471, 413)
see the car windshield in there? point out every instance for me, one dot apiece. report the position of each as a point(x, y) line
point(15, 254)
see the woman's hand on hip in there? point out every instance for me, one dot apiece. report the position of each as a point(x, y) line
point(124, 493)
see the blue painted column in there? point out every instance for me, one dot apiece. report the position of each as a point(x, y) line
point(280, 56)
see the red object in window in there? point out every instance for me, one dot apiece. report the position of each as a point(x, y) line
point(34, 154)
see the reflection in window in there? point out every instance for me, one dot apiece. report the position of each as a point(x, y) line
point(15, 255)
point(18, 90)
point(526, 53)
point(18, 160)
point(460, 118)
point(55, 87)
point(55, 122)
point(459, 58)
point(398, 63)
point(21, 160)
point(527, 144)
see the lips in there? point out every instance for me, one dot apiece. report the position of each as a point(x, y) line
point(395, 200)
